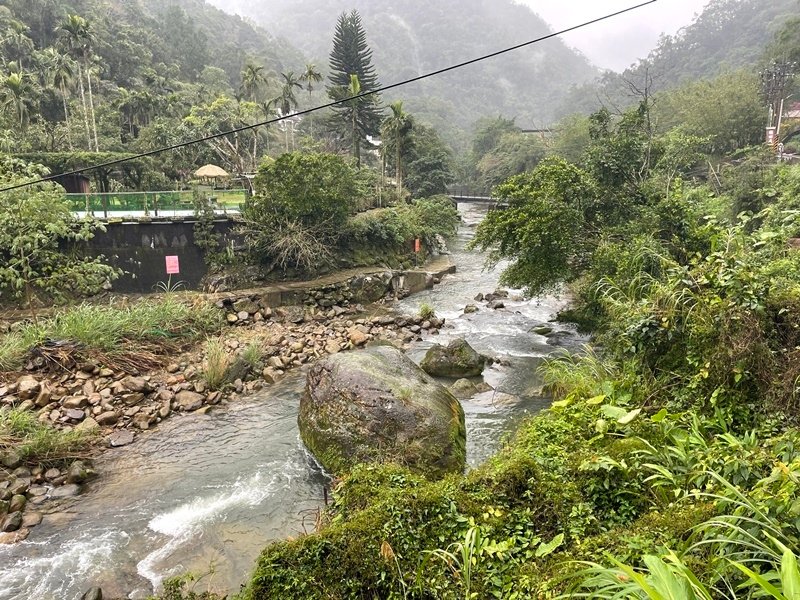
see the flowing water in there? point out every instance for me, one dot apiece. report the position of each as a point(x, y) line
point(205, 493)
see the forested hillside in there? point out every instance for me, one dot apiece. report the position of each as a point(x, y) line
point(727, 35)
point(114, 76)
point(410, 37)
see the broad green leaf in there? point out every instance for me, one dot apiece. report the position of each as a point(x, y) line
point(596, 400)
point(760, 581)
point(562, 403)
point(613, 412)
point(550, 547)
point(629, 417)
point(790, 576)
point(659, 416)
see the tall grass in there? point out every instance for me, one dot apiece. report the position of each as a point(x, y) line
point(107, 328)
point(37, 442)
point(216, 364)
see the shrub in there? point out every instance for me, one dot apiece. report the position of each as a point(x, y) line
point(216, 364)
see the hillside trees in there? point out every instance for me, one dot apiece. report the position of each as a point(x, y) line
point(37, 230)
point(352, 73)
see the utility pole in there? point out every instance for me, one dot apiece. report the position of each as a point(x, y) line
point(774, 80)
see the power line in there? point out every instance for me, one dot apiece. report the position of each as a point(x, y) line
point(330, 104)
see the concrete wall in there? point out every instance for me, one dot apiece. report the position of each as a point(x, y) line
point(139, 248)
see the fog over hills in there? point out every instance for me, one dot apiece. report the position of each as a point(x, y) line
point(409, 37)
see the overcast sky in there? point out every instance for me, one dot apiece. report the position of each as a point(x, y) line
point(618, 42)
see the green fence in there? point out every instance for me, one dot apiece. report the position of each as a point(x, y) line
point(152, 202)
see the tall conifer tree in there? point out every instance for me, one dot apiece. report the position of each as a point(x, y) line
point(352, 56)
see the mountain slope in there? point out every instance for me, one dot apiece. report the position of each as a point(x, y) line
point(409, 37)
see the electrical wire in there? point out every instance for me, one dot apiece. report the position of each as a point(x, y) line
point(366, 94)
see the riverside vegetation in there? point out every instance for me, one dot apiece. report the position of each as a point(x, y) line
point(668, 464)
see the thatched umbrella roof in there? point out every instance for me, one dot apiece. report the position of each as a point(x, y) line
point(211, 172)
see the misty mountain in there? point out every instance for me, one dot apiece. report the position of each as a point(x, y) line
point(727, 35)
point(410, 37)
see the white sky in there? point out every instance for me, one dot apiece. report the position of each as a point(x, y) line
point(619, 42)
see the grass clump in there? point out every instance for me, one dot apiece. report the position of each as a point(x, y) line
point(216, 364)
point(253, 355)
point(103, 331)
point(426, 311)
point(38, 443)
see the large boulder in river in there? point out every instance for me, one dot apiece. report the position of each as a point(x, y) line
point(376, 405)
point(456, 360)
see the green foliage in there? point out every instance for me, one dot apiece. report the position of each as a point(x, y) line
point(38, 443)
point(547, 228)
point(300, 205)
point(426, 311)
point(109, 328)
point(37, 235)
point(216, 364)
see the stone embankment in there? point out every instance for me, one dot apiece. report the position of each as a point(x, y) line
point(116, 406)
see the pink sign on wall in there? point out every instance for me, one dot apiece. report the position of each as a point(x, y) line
point(173, 266)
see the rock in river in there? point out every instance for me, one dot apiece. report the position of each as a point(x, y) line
point(456, 361)
point(376, 405)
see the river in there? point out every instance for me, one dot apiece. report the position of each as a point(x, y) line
point(205, 493)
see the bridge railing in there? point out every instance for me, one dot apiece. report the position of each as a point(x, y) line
point(160, 203)
point(466, 191)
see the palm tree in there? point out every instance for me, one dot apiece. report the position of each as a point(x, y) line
point(311, 76)
point(16, 39)
point(397, 126)
point(76, 36)
point(253, 79)
point(268, 110)
point(60, 71)
point(18, 95)
point(287, 101)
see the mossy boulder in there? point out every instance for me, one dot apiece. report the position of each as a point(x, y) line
point(457, 360)
point(376, 405)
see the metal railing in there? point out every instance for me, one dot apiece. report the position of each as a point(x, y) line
point(161, 203)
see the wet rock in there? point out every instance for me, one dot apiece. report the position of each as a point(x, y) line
point(463, 389)
point(165, 410)
point(17, 503)
point(378, 406)
point(11, 522)
point(11, 459)
point(120, 438)
point(542, 330)
point(66, 491)
point(51, 474)
point(93, 594)
point(15, 536)
point(271, 375)
point(188, 401)
point(78, 472)
point(142, 421)
point(4, 507)
point(457, 360)
point(497, 304)
point(37, 490)
point(470, 309)
point(31, 519)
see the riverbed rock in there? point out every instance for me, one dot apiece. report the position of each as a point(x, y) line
point(31, 519)
point(542, 330)
point(66, 491)
point(470, 309)
point(136, 384)
point(11, 459)
point(188, 401)
point(28, 387)
point(120, 438)
point(78, 472)
point(17, 503)
point(14, 537)
point(11, 522)
point(456, 360)
point(376, 405)
point(93, 594)
point(463, 389)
